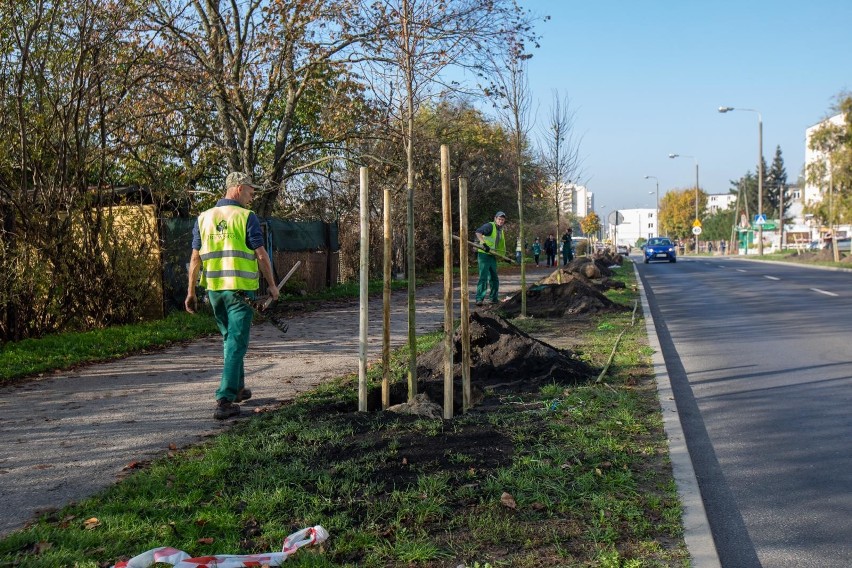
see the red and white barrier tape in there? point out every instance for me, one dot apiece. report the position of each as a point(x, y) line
point(180, 559)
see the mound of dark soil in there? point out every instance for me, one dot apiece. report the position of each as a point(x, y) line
point(502, 357)
point(576, 295)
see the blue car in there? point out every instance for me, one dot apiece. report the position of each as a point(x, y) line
point(660, 248)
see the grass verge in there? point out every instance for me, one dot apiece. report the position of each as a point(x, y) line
point(68, 350)
point(574, 476)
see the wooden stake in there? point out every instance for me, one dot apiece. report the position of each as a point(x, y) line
point(364, 285)
point(386, 295)
point(446, 209)
point(464, 287)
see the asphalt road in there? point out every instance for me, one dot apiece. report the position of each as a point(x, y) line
point(760, 361)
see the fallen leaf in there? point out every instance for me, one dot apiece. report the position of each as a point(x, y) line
point(598, 471)
point(40, 547)
point(206, 540)
point(91, 523)
point(173, 446)
point(404, 461)
point(508, 501)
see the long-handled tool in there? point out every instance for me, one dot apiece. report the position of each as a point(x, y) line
point(284, 280)
point(490, 251)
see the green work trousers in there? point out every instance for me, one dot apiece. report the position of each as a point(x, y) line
point(487, 277)
point(233, 316)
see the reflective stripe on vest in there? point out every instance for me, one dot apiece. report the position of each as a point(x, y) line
point(228, 263)
point(491, 239)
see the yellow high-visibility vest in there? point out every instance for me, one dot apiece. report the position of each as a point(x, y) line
point(228, 263)
point(491, 240)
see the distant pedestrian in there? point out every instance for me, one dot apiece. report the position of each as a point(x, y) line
point(723, 246)
point(567, 244)
point(536, 250)
point(710, 247)
point(228, 252)
point(550, 250)
point(490, 236)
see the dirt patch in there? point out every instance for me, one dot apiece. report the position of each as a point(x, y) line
point(502, 357)
point(571, 290)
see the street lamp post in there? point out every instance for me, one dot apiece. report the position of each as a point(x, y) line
point(723, 110)
point(658, 201)
point(696, 189)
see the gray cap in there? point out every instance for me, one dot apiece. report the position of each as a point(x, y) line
point(499, 214)
point(239, 178)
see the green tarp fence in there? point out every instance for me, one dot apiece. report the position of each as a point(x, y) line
point(281, 235)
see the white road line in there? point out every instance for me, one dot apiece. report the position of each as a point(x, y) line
point(741, 270)
point(771, 277)
point(823, 292)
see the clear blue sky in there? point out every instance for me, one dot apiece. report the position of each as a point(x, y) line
point(646, 78)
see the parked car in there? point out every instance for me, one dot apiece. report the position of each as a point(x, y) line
point(660, 248)
point(622, 249)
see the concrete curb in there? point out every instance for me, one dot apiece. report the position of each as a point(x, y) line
point(696, 527)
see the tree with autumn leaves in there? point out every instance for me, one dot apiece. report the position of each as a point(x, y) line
point(171, 95)
point(677, 212)
point(591, 224)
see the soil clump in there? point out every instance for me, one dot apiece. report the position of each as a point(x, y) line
point(502, 358)
point(571, 290)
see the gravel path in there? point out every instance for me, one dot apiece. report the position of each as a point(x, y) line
point(69, 435)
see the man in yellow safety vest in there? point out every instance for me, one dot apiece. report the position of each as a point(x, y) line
point(490, 236)
point(228, 243)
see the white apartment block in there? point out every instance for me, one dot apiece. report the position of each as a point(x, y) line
point(634, 224)
point(576, 199)
point(720, 201)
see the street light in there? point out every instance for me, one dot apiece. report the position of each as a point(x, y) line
point(759, 170)
point(658, 201)
point(696, 189)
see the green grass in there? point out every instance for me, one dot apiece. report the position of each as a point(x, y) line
point(586, 466)
point(67, 350)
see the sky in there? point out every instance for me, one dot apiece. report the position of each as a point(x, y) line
point(645, 79)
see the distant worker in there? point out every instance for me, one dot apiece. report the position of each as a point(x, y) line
point(567, 253)
point(536, 250)
point(550, 250)
point(227, 251)
point(492, 237)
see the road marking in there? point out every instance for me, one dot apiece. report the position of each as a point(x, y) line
point(771, 277)
point(823, 292)
point(721, 265)
point(741, 270)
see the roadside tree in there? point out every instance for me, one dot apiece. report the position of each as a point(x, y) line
point(833, 174)
point(677, 212)
point(591, 224)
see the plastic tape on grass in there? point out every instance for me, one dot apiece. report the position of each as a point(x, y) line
point(180, 559)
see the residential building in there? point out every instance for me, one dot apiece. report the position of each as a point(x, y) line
point(633, 224)
point(719, 202)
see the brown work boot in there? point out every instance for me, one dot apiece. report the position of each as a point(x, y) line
point(225, 409)
point(243, 394)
